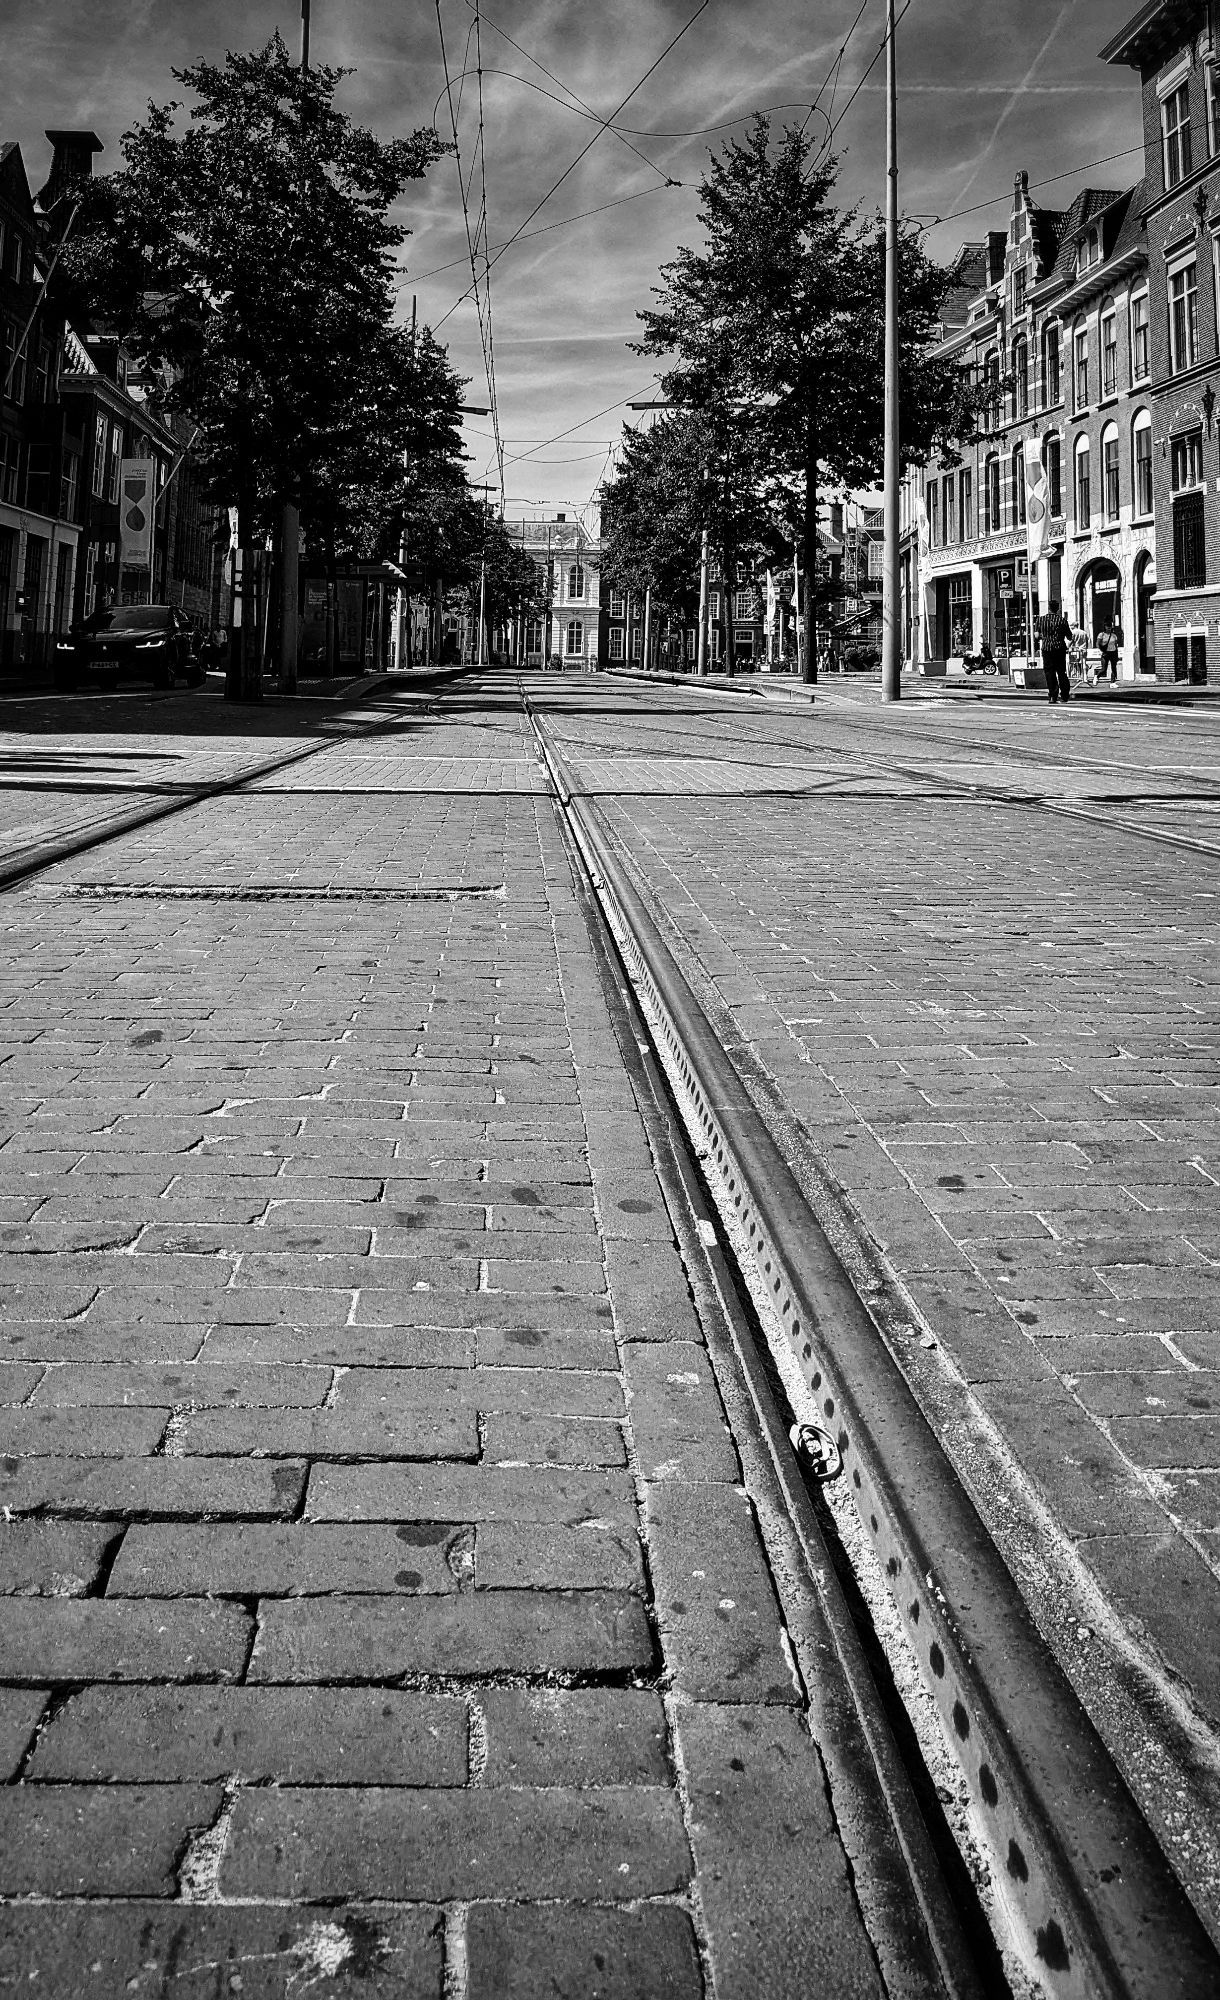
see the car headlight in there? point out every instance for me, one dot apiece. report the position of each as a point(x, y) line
point(145, 645)
point(65, 646)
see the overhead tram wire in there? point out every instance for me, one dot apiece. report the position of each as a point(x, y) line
point(1085, 167)
point(832, 74)
point(878, 52)
point(417, 278)
point(483, 308)
point(491, 338)
point(606, 125)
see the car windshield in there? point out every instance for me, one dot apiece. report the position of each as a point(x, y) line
point(131, 618)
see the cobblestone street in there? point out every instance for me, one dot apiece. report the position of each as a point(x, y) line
point(397, 1599)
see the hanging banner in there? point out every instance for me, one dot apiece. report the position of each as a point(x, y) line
point(138, 498)
point(1037, 499)
point(769, 620)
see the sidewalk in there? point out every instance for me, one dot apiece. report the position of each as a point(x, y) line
point(388, 1615)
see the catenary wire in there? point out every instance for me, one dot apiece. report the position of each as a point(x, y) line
point(606, 125)
point(660, 188)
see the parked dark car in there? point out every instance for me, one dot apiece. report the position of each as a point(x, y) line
point(148, 642)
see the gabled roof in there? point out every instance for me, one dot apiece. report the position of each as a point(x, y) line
point(1088, 205)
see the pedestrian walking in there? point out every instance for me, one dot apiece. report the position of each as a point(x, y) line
point(1109, 639)
point(1054, 637)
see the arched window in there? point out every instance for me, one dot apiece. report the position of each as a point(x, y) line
point(1052, 459)
point(1052, 390)
point(1110, 486)
point(1084, 507)
point(1141, 462)
point(576, 582)
point(1020, 378)
point(1018, 486)
point(576, 639)
point(992, 515)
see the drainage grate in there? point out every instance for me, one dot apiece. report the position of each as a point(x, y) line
point(298, 892)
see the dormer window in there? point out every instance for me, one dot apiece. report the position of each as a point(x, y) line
point(1089, 252)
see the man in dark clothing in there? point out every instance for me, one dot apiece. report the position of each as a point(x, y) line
point(1055, 636)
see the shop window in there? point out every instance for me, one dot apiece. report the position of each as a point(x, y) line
point(1175, 135)
point(961, 616)
point(1183, 317)
point(1141, 459)
point(1190, 658)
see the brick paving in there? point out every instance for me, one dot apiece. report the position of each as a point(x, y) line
point(386, 1613)
point(998, 1028)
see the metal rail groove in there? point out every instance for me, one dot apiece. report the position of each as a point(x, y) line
point(1094, 1907)
point(19, 865)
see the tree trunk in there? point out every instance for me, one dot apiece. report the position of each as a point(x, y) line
point(809, 551)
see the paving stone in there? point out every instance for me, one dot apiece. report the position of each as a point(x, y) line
point(418, 1433)
point(266, 1559)
point(20, 1711)
point(80, 1433)
point(53, 1558)
point(715, 1601)
point(151, 1951)
point(777, 1899)
point(650, 1289)
point(1164, 1591)
point(677, 1420)
point(595, 1555)
point(582, 1736)
point(343, 1346)
point(112, 1489)
point(534, 1440)
point(613, 1845)
point(530, 1391)
point(479, 1632)
point(197, 1387)
point(300, 1736)
point(17, 1380)
point(56, 1639)
point(516, 1953)
point(106, 1840)
point(466, 1493)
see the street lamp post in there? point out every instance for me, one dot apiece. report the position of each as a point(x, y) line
point(290, 515)
point(891, 664)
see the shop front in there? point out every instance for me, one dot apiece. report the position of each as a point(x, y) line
point(1006, 606)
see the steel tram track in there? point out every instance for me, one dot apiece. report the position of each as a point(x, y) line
point(976, 790)
point(1090, 1904)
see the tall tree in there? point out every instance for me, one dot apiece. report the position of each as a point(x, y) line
point(249, 251)
point(777, 321)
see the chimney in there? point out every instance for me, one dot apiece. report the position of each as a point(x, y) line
point(71, 161)
point(561, 517)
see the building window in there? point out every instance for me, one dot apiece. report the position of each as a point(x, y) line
point(99, 457)
point(1089, 251)
point(1183, 317)
point(1186, 461)
point(1213, 101)
point(11, 335)
point(992, 519)
point(1052, 388)
point(69, 476)
point(116, 464)
point(932, 503)
point(616, 642)
point(1189, 549)
point(575, 639)
point(1175, 135)
point(618, 604)
point(89, 597)
point(946, 501)
point(991, 382)
point(1141, 456)
point(1109, 352)
point(1109, 472)
point(743, 604)
point(1018, 486)
point(965, 494)
point(1019, 279)
point(1052, 459)
point(576, 582)
point(1139, 337)
point(1084, 511)
point(1020, 378)
point(637, 641)
point(10, 468)
point(1080, 376)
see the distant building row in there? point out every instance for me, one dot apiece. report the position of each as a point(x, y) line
point(73, 406)
point(1100, 329)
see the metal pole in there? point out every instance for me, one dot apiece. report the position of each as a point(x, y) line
point(701, 657)
point(647, 625)
point(290, 516)
point(798, 618)
point(891, 662)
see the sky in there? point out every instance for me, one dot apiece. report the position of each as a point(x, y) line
point(984, 90)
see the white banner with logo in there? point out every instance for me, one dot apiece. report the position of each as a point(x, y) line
point(1037, 502)
point(136, 503)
